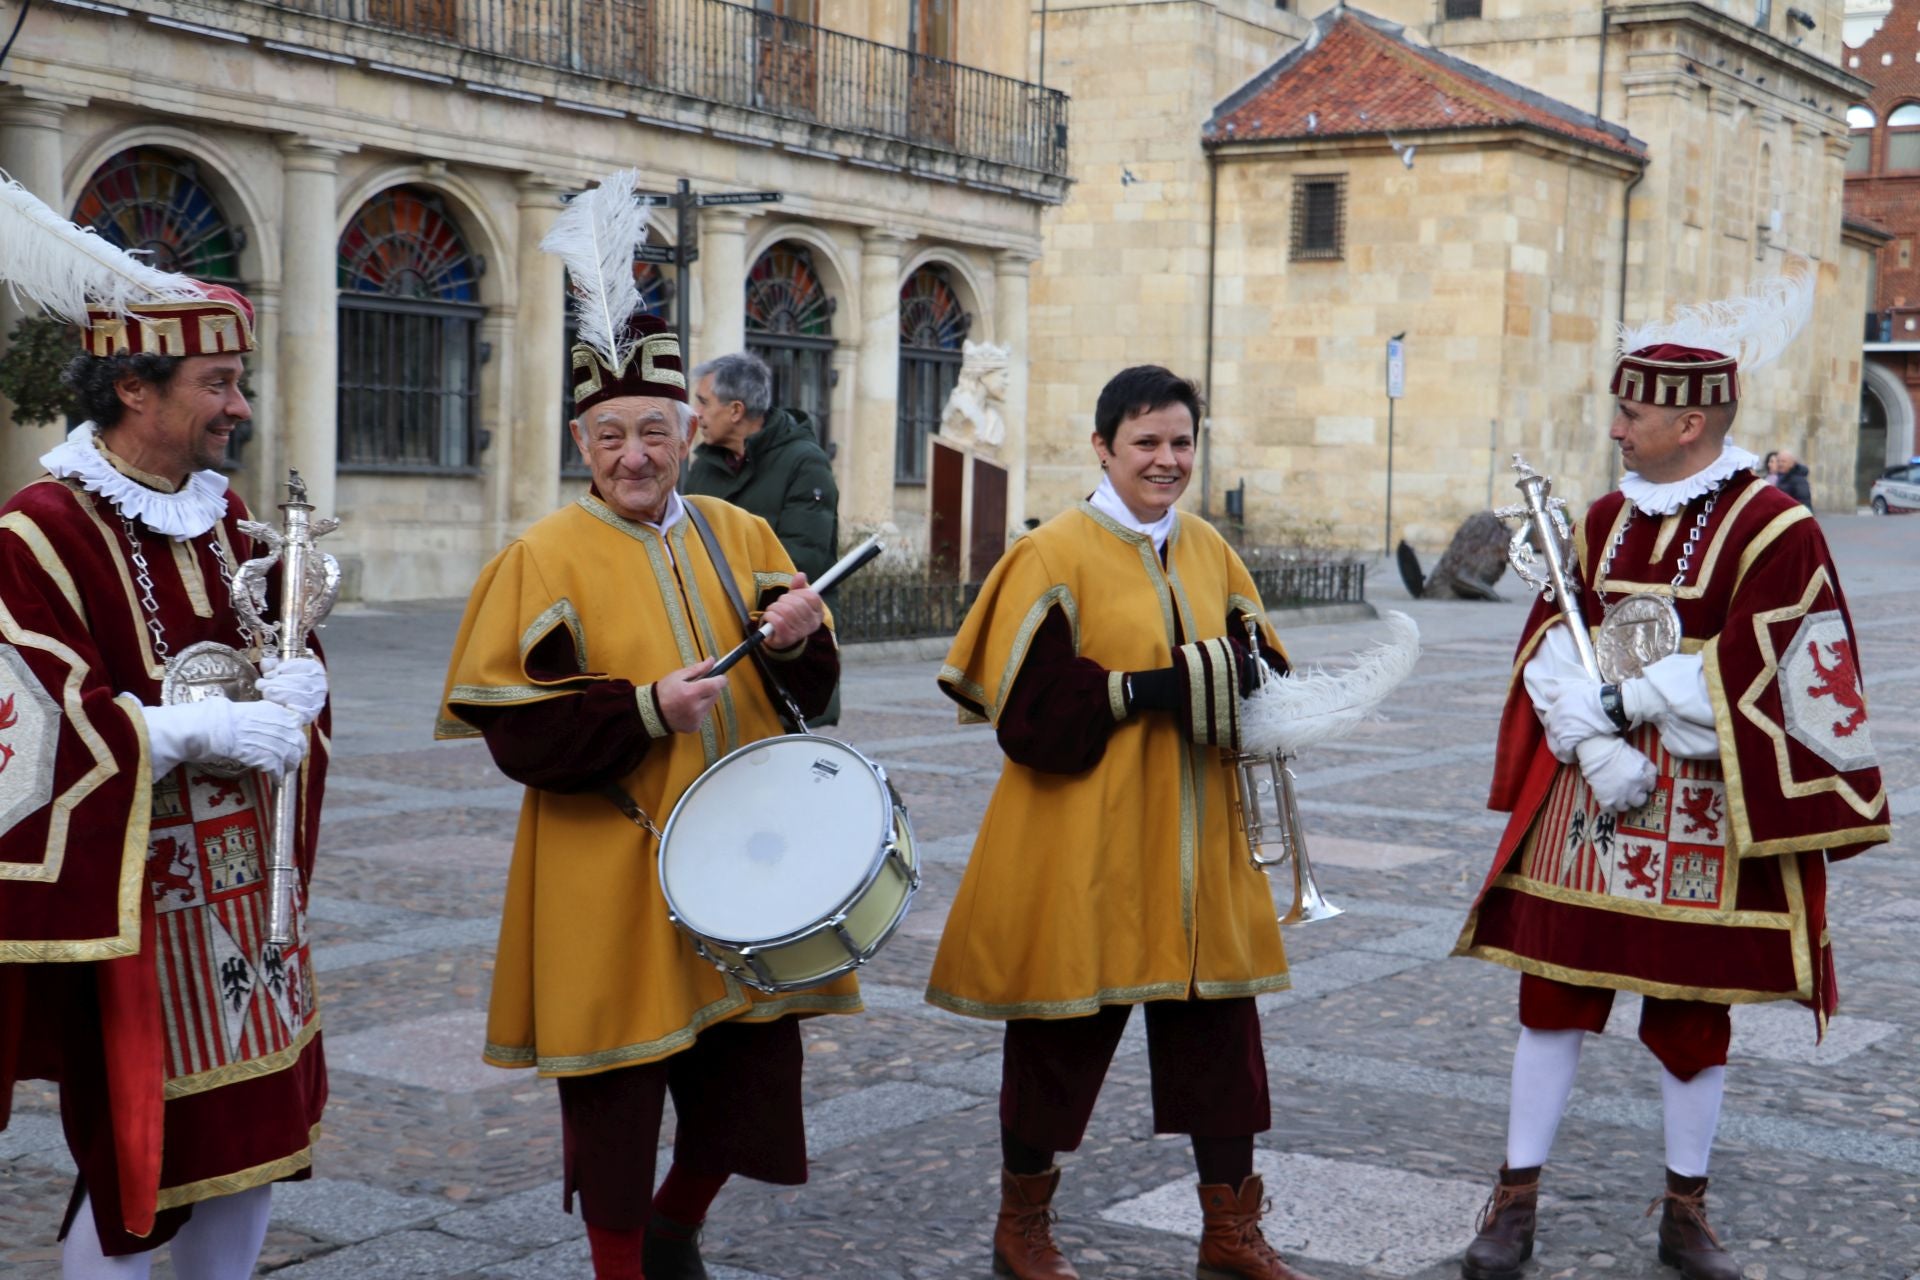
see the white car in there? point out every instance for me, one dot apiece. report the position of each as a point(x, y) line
point(1897, 492)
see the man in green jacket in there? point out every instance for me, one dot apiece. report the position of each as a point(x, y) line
point(765, 460)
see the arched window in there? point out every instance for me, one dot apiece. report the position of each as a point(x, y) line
point(1860, 147)
point(790, 326)
point(409, 337)
point(932, 329)
point(152, 200)
point(1903, 137)
point(656, 299)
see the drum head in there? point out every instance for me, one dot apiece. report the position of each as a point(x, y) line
point(772, 839)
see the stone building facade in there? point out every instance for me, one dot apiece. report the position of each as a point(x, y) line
point(1601, 162)
point(1883, 189)
point(377, 175)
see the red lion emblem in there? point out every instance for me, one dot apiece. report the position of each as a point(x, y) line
point(220, 790)
point(1700, 806)
point(1639, 872)
point(165, 879)
point(8, 718)
point(1841, 682)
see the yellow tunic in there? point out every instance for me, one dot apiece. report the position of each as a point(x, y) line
point(1130, 881)
point(591, 974)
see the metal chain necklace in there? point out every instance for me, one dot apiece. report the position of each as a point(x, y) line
point(143, 579)
point(1686, 548)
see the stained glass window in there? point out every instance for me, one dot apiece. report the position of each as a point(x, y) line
point(402, 244)
point(933, 329)
point(409, 346)
point(152, 201)
point(790, 326)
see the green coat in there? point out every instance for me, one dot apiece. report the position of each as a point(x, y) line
point(786, 480)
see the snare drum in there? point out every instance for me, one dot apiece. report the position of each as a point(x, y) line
point(789, 862)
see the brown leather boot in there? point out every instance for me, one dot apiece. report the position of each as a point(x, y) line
point(1686, 1241)
point(1505, 1227)
point(1231, 1246)
point(1023, 1244)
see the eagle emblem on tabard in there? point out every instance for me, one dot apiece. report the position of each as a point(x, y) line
point(1824, 703)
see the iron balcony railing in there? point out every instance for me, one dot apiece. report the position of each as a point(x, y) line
point(731, 54)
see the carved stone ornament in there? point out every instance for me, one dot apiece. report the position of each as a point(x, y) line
point(972, 415)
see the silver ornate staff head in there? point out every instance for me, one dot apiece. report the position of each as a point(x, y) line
point(1541, 511)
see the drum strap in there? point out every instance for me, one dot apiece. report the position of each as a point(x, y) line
point(783, 702)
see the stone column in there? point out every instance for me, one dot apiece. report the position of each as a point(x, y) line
point(30, 151)
point(723, 287)
point(539, 359)
point(868, 498)
point(1010, 270)
point(310, 317)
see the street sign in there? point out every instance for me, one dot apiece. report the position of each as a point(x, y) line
point(1396, 369)
point(739, 197)
point(664, 255)
point(652, 202)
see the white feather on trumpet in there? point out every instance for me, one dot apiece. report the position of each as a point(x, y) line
point(48, 261)
point(596, 238)
point(1309, 706)
point(1754, 328)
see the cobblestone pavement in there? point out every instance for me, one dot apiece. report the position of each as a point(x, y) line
point(1389, 1060)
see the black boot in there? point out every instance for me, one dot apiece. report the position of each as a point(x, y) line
point(1505, 1227)
point(671, 1251)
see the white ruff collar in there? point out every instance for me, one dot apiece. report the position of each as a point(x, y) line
point(1664, 499)
point(196, 508)
point(1106, 500)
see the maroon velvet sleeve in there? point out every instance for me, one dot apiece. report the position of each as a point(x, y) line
point(811, 674)
point(575, 742)
point(1057, 716)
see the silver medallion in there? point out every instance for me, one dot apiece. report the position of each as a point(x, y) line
point(1637, 632)
point(211, 670)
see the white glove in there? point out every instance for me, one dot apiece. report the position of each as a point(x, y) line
point(1672, 695)
point(260, 735)
point(1575, 716)
point(1621, 777)
point(299, 685)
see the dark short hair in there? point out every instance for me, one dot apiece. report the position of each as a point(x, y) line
point(1142, 389)
point(93, 381)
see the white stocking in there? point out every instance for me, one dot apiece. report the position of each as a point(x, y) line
point(222, 1240)
point(81, 1259)
point(1692, 1113)
point(1544, 1063)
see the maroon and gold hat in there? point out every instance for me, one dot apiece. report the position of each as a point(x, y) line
point(221, 323)
point(1671, 376)
point(652, 367)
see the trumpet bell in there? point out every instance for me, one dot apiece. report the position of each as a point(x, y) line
point(1310, 905)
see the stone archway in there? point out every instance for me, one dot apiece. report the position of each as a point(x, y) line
point(1888, 435)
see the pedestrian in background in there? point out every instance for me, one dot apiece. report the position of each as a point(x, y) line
point(1793, 478)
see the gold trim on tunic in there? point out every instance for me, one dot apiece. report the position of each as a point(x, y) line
point(247, 1069)
point(243, 1180)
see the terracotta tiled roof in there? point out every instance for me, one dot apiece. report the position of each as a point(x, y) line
point(1358, 75)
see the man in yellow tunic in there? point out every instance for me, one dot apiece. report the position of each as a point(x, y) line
point(1108, 650)
point(582, 661)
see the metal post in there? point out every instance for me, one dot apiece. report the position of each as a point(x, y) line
point(1386, 543)
point(685, 214)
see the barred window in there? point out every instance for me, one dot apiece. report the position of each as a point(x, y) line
point(1463, 9)
point(1319, 217)
point(933, 330)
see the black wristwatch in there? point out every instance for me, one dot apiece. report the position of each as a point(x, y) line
point(1615, 709)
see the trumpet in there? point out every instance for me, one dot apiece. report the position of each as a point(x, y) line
point(1270, 815)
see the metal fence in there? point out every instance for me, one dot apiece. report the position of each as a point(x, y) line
point(882, 609)
point(715, 51)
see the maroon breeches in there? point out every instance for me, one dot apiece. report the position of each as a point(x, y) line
point(1209, 1074)
point(1688, 1036)
point(736, 1105)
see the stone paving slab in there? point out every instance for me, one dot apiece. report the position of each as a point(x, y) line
point(436, 1052)
point(342, 1212)
point(400, 1255)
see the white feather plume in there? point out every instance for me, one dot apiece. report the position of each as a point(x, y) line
point(596, 238)
point(1754, 328)
point(1310, 706)
point(48, 261)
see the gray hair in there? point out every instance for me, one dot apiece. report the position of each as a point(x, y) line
point(743, 377)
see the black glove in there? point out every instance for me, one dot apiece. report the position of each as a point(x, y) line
point(1153, 690)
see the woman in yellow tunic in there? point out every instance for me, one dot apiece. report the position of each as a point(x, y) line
point(1108, 651)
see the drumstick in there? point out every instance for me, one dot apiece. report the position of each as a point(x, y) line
point(854, 559)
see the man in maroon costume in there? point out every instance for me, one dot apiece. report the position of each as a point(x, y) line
point(134, 964)
point(1672, 826)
